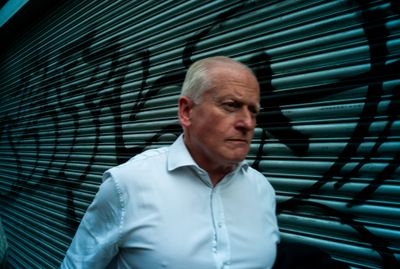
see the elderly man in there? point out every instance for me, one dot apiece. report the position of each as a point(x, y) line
point(195, 204)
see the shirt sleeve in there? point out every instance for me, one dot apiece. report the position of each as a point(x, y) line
point(273, 203)
point(96, 240)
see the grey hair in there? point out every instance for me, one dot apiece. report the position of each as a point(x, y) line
point(198, 78)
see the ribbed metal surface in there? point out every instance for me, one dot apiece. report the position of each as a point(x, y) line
point(97, 82)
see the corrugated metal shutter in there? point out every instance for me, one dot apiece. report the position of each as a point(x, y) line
point(96, 82)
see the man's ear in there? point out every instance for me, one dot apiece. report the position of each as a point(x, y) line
point(185, 106)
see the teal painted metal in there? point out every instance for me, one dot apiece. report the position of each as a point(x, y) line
point(95, 83)
point(3, 247)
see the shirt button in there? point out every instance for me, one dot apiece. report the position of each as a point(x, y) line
point(220, 225)
point(225, 265)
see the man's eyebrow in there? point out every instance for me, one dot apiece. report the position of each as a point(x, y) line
point(234, 98)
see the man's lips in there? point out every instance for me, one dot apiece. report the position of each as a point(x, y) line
point(238, 141)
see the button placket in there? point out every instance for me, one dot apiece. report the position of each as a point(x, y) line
point(221, 247)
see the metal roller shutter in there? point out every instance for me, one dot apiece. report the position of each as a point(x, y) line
point(95, 82)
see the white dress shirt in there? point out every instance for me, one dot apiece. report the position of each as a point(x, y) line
point(160, 210)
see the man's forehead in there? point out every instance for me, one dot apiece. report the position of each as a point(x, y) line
point(235, 86)
point(219, 95)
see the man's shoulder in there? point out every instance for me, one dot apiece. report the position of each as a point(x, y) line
point(148, 155)
point(250, 171)
point(257, 177)
point(142, 162)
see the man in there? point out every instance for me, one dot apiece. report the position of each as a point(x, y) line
point(196, 204)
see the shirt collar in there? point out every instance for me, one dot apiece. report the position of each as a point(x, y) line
point(179, 156)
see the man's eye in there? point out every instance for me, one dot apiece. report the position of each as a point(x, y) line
point(231, 106)
point(254, 111)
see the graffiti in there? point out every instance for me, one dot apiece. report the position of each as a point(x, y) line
point(378, 55)
point(107, 68)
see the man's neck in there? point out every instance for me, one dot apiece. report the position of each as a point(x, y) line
point(217, 174)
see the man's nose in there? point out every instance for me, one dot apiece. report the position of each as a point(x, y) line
point(246, 120)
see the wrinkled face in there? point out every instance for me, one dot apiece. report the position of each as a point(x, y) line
point(219, 129)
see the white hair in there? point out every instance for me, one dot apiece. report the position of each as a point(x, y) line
point(198, 79)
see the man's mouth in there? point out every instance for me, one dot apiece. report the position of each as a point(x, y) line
point(238, 141)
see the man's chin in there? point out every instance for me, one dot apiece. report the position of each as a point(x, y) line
point(237, 158)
